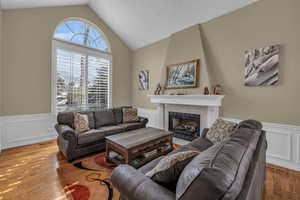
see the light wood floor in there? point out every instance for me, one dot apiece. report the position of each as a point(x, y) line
point(31, 172)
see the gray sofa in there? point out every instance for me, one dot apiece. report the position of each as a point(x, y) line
point(102, 123)
point(231, 170)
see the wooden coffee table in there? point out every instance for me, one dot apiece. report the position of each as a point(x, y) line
point(138, 147)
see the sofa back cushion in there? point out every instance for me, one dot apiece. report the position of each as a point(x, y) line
point(67, 118)
point(119, 113)
point(104, 117)
point(220, 171)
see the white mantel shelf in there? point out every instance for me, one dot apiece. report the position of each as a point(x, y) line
point(195, 100)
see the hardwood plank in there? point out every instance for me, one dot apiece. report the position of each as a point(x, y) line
point(39, 171)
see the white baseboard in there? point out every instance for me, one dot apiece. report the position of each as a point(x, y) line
point(283, 140)
point(26, 129)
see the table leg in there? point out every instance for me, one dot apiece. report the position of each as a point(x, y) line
point(107, 151)
point(127, 158)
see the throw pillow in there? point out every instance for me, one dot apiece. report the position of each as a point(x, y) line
point(169, 168)
point(81, 122)
point(220, 130)
point(130, 115)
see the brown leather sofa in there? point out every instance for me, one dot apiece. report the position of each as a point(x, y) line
point(231, 170)
point(102, 123)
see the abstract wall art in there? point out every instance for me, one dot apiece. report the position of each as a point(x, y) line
point(143, 80)
point(261, 66)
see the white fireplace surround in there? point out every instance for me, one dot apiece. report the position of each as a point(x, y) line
point(207, 106)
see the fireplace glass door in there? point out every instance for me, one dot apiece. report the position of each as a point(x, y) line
point(184, 125)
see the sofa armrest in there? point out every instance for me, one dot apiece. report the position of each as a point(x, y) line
point(143, 120)
point(66, 132)
point(134, 185)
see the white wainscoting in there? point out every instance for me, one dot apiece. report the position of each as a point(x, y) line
point(151, 114)
point(283, 140)
point(26, 129)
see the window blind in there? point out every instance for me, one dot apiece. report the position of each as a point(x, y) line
point(82, 80)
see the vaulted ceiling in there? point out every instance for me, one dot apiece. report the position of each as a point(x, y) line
point(142, 22)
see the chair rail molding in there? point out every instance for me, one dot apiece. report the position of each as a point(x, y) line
point(283, 140)
point(21, 130)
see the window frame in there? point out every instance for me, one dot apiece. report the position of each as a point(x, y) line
point(68, 46)
point(90, 23)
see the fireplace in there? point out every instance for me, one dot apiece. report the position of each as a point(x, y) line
point(184, 125)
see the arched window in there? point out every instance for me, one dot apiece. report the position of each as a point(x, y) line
point(81, 74)
point(83, 33)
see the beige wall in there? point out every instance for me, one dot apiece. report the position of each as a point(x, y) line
point(27, 36)
point(186, 45)
point(224, 40)
point(149, 58)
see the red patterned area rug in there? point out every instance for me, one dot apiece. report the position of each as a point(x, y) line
point(96, 163)
point(88, 179)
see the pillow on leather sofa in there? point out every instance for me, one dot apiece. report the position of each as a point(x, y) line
point(220, 130)
point(220, 171)
point(91, 118)
point(169, 168)
point(81, 122)
point(130, 115)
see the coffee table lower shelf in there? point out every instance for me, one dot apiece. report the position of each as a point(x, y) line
point(142, 162)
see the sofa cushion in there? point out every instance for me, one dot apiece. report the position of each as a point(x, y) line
point(110, 130)
point(90, 136)
point(118, 115)
point(130, 115)
point(201, 144)
point(66, 118)
point(81, 122)
point(169, 168)
point(220, 171)
point(131, 126)
point(220, 130)
point(253, 124)
point(104, 118)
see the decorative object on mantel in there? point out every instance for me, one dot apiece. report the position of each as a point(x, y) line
point(217, 90)
point(261, 66)
point(158, 89)
point(144, 80)
point(183, 75)
point(206, 91)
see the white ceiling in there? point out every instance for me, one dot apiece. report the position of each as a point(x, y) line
point(142, 22)
point(12, 4)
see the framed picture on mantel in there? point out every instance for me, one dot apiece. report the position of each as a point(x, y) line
point(183, 75)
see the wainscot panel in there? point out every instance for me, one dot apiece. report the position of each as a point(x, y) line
point(26, 129)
